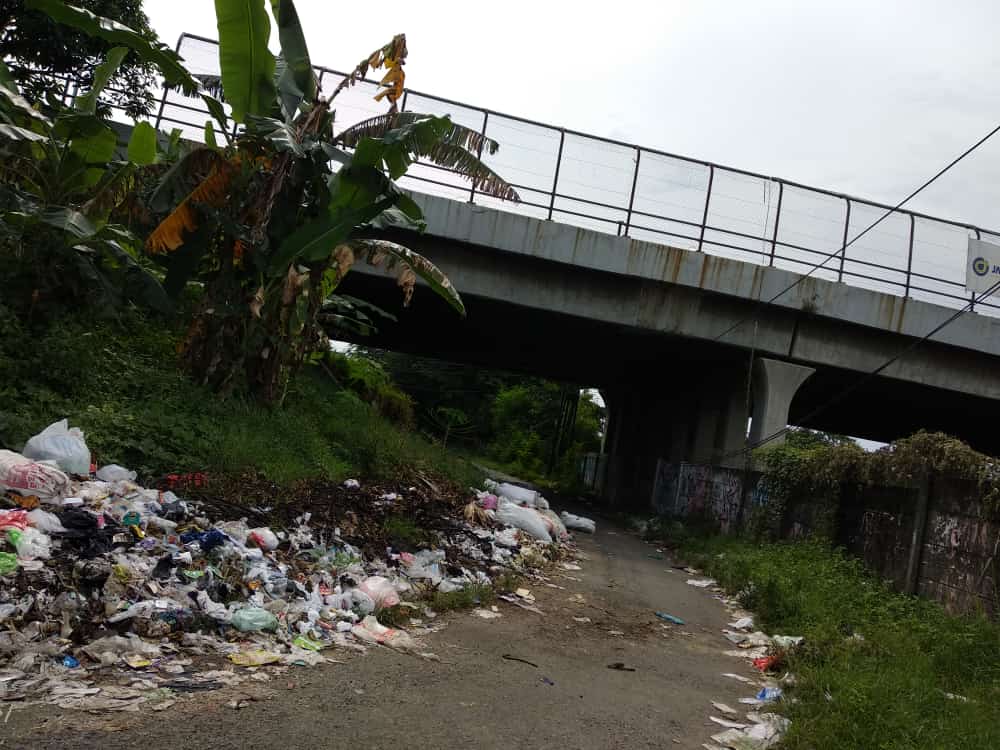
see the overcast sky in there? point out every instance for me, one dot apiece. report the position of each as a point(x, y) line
point(860, 97)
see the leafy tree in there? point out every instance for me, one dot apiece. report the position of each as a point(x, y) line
point(43, 54)
point(526, 424)
point(60, 181)
point(268, 220)
point(435, 384)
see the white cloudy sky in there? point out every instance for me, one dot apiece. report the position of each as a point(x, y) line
point(868, 98)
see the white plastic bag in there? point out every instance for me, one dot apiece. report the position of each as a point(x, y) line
point(556, 527)
point(517, 494)
point(45, 521)
point(426, 564)
point(525, 519)
point(115, 473)
point(59, 443)
point(30, 543)
point(381, 591)
point(31, 478)
point(264, 538)
point(578, 523)
point(371, 630)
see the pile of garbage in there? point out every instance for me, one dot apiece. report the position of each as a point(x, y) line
point(527, 510)
point(100, 574)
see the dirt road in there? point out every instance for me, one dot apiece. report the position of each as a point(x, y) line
point(474, 697)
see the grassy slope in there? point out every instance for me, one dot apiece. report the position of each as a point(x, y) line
point(119, 382)
point(886, 691)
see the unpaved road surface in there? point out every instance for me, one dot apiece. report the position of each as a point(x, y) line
point(474, 697)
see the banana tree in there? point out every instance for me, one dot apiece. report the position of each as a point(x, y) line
point(274, 218)
point(60, 181)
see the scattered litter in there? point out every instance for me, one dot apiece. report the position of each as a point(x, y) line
point(669, 618)
point(548, 682)
point(787, 642)
point(518, 603)
point(737, 677)
point(727, 723)
point(724, 708)
point(620, 667)
point(255, 658)
point(511, 657)
point(581, 620)
point(769, 694)
point(616, 632)
point(744, 623)
point(486, 614)
point(701, 583)
point(767, 663)
point(570, 566)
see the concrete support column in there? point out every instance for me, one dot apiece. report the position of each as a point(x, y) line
point(774, 386)
point(708, 416)
point(732, 433)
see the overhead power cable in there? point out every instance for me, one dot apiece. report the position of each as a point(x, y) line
point(843, 249)
point(869, 375)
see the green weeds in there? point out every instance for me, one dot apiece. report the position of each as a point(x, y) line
point(877, 666)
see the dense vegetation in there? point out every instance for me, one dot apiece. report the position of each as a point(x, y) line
point(167, 296)
point(119, 382)
point(509, 420)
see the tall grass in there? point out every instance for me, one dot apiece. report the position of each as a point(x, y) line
point(877, 666)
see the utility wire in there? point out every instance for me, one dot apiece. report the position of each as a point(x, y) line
point(868, 376)
point(843, 250)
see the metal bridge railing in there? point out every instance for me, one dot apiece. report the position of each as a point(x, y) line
point(628, 190)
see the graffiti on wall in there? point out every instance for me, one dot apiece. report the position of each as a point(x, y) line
point(711, 492)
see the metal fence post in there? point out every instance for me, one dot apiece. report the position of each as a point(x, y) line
point(479, 154)
point(972, 295)
point(555, 179)
point(777, 218)
point(909, 257)
point(843, 246)
point(631, 197)
point(708, 198)
point(163, 99)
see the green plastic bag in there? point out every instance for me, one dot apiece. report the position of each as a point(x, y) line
point(8, 563)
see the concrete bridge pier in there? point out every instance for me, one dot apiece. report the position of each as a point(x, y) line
point(693, 417)
point(775, 384)
point(698, 417)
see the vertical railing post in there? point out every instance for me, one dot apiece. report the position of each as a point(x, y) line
point(65, 94)
point(555, 178)
point(843, 245)
point(777, 218)
point(163, 98)
point(708, 198)
point(909, 256)
point(972, 295)
point(479, 154)
point(631, 196)
point(402, 107)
